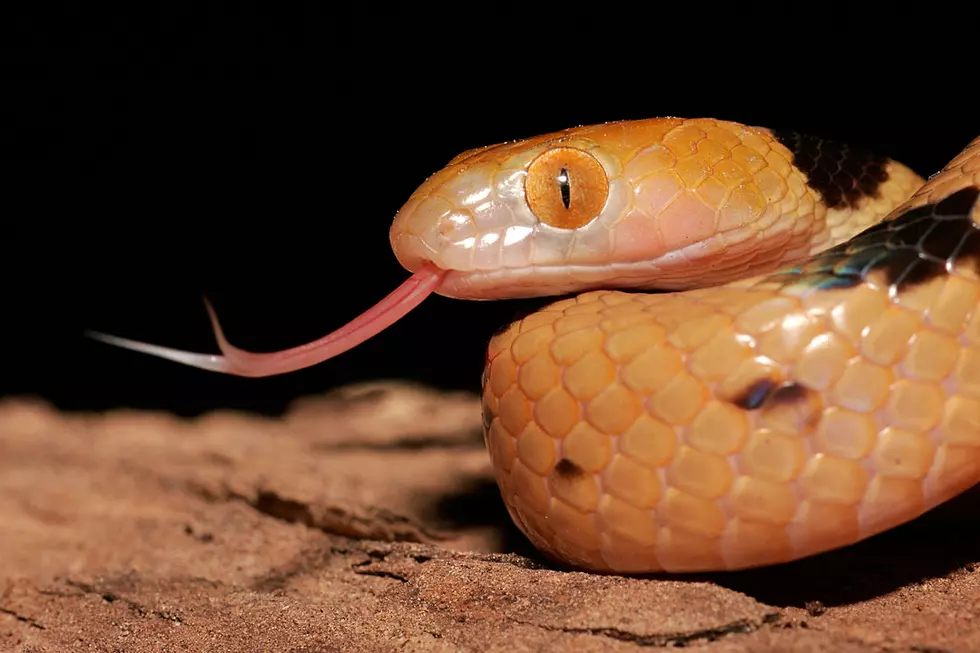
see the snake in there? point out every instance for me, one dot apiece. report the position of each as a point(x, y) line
point(762, 345)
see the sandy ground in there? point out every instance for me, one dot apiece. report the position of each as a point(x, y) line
point(368, 521)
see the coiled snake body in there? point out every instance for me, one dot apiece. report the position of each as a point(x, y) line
point(814, 381)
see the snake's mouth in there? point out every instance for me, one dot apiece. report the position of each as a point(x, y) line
point(239, 362)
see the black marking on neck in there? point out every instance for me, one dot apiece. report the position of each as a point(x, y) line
point(915, 247)
point(959, 203)
point(842, 174)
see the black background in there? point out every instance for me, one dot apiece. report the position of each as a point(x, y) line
point(257, 155)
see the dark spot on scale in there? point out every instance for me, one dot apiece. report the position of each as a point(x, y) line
point(567, 468)
point(841, 173)
point(915, 247)
point(788, 393)
point(766, 392)
point(794, 406)
point(754, 395)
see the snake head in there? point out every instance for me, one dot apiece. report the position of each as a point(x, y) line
point(496, 217)
point(647, 204)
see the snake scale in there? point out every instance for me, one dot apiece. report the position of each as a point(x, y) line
point(812, 377)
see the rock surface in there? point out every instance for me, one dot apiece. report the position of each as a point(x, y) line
point(368, 520)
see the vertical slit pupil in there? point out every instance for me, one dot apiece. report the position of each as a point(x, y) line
point(565, 187)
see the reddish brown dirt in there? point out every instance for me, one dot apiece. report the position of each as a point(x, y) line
point(368, 521)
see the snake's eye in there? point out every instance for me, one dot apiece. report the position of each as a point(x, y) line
point(566, 187)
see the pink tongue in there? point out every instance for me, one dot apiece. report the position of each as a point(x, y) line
point(244, 363)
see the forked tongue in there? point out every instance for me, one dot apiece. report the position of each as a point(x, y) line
point(245, 363)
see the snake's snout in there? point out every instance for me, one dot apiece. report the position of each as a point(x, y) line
point(411, 231)
point(445, 222)
point(408, 245)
